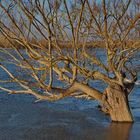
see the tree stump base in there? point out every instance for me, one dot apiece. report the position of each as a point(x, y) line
point(115, 103)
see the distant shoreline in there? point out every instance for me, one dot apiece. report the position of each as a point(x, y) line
point(4, 43)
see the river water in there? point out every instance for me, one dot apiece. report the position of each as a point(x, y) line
point(68, 119)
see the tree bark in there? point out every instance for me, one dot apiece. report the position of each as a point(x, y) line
point(115, 103)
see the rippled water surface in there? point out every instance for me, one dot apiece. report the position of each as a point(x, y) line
point(69, 119)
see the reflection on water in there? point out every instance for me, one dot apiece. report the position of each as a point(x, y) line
point(119, 131)
point(68, 119)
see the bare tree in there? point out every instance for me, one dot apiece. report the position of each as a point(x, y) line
point(51, 42)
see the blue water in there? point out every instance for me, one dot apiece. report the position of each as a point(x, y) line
point(68, 119)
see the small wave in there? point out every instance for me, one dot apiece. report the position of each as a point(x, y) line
point(137, 83)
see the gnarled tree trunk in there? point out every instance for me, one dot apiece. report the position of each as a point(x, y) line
point(115, 103)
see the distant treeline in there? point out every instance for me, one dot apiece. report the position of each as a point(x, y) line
point(5, 43)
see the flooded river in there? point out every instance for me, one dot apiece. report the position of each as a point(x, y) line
point(68, 119)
